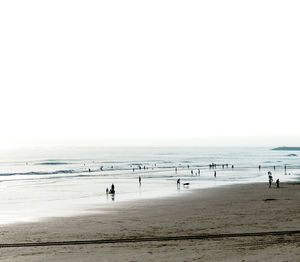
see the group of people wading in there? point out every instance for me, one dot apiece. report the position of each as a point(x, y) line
point(211, 166)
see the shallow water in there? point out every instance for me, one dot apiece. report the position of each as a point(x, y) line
point(37, 183)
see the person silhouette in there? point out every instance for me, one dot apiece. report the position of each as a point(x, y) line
point(112, 189)
point(270, 179)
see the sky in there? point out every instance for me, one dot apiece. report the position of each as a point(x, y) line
point(148, 72)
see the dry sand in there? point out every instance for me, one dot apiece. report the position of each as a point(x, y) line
point(231, 209)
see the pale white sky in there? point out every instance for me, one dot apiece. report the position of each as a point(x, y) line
point(147, 70)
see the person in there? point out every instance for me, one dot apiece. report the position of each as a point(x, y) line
point(285, 169)
point(140, 180)
point(232, 166)
point(191, 172)
point(199, 172)
point(175, 170)
point(107, 191)
point(277, 183)
point(259, 167)
point(178, 182)
point(274, 167)
point(89, 170)
point(215, 173)
point(270, 179)
point(112, 189)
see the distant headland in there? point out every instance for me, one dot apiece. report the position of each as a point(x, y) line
point(287, 148)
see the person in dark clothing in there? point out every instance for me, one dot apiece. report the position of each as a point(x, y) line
point(285, 169)
point(270, 179)
point(112, 189)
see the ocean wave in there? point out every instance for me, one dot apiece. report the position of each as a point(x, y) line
point(42, 173)
point(52, 163)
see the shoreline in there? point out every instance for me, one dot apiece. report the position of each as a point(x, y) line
point(188, 195)
point(83, 195)
point(242, 208)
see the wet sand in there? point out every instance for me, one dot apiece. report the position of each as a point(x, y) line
point(230, 209)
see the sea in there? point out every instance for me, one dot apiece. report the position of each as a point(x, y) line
point(42, 182)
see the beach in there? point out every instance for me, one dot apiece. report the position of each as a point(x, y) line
point(234, 209)
point(44, 183)
point(142, 131)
